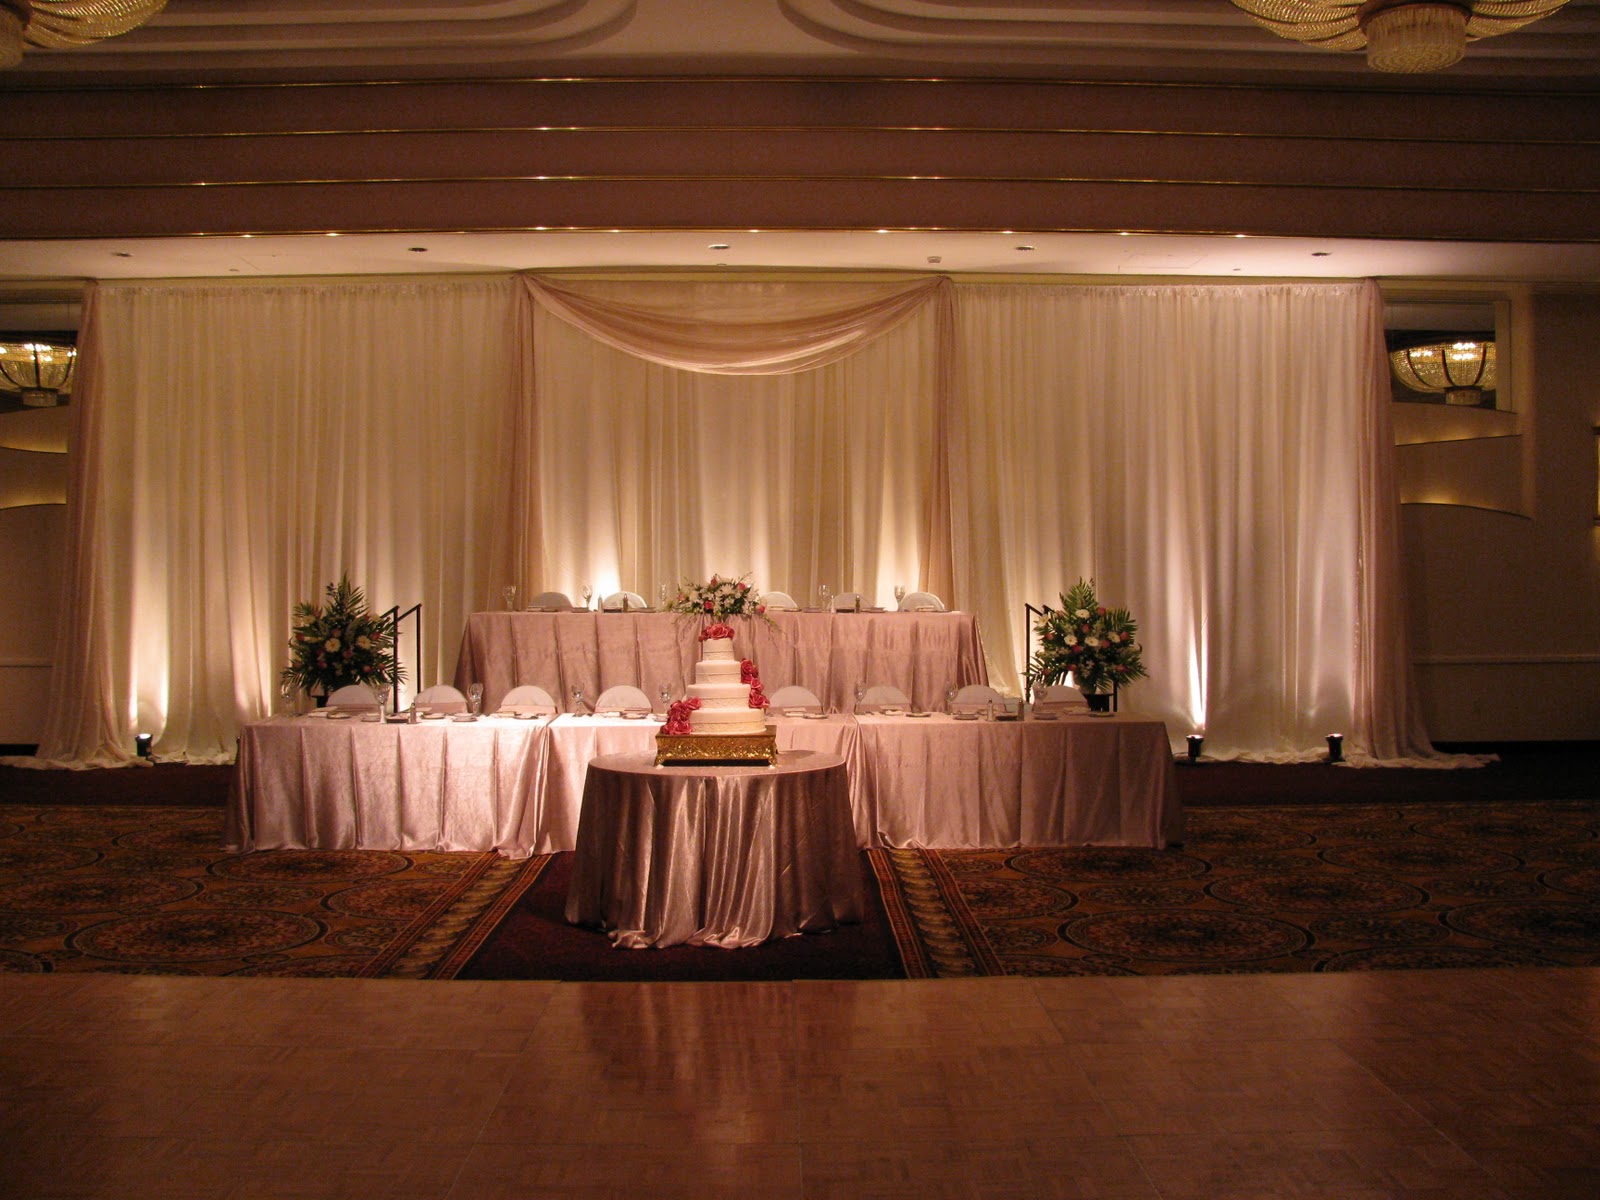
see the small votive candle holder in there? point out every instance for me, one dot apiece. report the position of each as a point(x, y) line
point(141, 745)
point(1335, 747)
point(1197, 743)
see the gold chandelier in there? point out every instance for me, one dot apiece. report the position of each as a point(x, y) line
point(1462, 371)
point(1402, 36)
point(37, 371)
point(64, 24)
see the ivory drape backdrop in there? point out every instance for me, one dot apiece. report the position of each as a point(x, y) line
point(1215, 457)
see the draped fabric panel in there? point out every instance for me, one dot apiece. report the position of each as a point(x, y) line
point(788, 430)
point(1216, 458)
point(242, 446)
point(1208, 455)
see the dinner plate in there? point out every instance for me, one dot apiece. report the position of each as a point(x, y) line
point(338, 716)
point(919, 714)
point(526, 716)
point(1102, 714)
point(634, 716)
point(433, 716)
point(894, 712)
point(463, 717)
point(966, 716)
point(816, 716)
point(1039, 716)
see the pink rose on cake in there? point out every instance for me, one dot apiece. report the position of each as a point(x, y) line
point(678, 716)
point(719, 630)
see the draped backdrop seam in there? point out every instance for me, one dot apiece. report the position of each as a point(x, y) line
point(1215, 456)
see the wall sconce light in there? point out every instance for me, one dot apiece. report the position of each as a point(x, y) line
point(141, 744)
point(1197, 742)
point(1335, 747)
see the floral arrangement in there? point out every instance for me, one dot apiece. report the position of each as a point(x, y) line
point(678, 716)
point(719, 599)
point(748, 674)
point(1092, 643)
point(340, 643)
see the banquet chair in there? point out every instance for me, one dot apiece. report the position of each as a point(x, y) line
point(623, 601)
point(976, 696)
point(921, 601)
point(441, 697)
point(847, 602)
point(792, 695)
point(882, 695)
point(780, 601)
point(1058, 695)
point(620, 697)
point(527, 697)
point(353, 695)
point(550, 600)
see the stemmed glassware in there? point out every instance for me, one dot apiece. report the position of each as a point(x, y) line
point(290, 695)
point(663, 597)
point(861, 694)
point(510, 594)
point(577, 701)
point(827, 596)
point(666, 697)
point(588, 591)
point(950, 700)
point(899, 592)
point(474, 698)
point(383, 700)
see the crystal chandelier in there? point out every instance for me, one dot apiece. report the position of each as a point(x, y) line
point(38, 371)
point(64, 24)
point(1403, 36)
point(1461, 371)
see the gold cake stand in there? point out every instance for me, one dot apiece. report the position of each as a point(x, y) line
point(716, 749)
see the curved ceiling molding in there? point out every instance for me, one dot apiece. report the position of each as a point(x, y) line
point(368, 33)
point(39, 430)
point(28, 478)
point(1120, 34)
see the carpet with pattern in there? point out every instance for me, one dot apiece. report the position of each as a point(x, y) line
point(1295, 888)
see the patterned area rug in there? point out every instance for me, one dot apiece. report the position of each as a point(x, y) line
point(1320, 888)
point(142, 890)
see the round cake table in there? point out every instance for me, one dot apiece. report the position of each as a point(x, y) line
point(718, 856)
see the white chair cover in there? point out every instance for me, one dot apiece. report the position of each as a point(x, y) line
point(1058, 694)
point(794, 696)
point(545, 600)
point(884, 695)
point(979, 693)
point(441, 697)
point(528, 697)
point(614, 602)
point(847, 602)
point(781, 601)
point(622, 696)
point(353, 695)
point(919, 601)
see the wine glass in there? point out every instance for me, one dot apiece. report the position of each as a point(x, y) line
point(290, 694)
point(663, 597)
point(899, 592)
point(666, 697)
point(827, 596)
point(474, 698)
point(950, 700)
point(577, 700)
point(509, 592)
point(861, 694)
point(588, 591)
point(383, 700)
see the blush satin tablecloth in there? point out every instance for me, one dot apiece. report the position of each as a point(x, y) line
point(517, 786)
point(922, 654)
point(715, 856)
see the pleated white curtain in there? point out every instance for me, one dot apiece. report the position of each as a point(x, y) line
point(1215, 458)
point(238, 448)
point(785, 429)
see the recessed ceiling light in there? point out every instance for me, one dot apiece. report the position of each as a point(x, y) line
point(1241, 235)
point(417, 249)
point(935, 259)
point(331, 233)
point(1024, 246)
point(1320, 253)
point(121, 254)
point(717, 246)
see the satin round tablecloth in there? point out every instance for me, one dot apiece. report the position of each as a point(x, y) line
point(715, 856)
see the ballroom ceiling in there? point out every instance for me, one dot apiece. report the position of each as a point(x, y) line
point(1210, 41)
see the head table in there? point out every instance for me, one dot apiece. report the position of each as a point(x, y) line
point(516, 785)
point(924, 654)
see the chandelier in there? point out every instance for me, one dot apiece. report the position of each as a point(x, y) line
point(1461, 371)
point(64, 24)
point(40, 371)
point(1403, 36)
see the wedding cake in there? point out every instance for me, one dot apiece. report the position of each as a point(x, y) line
point(723, 716)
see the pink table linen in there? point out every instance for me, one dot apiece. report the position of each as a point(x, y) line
point(923, 654)
point(938, 782)
point(715, 856)
point(316, 783)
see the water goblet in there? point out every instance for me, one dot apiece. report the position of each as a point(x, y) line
point(861, 694)
point(666, 697)
point(827, 596)
point(950, 700)
point(509, 592)
point(291, 696)
point(474, 698)
point(383, 700)
point(577, 700)
point(899, 592)
point(587, 591)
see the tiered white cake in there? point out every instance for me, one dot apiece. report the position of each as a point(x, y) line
point(724, 696)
